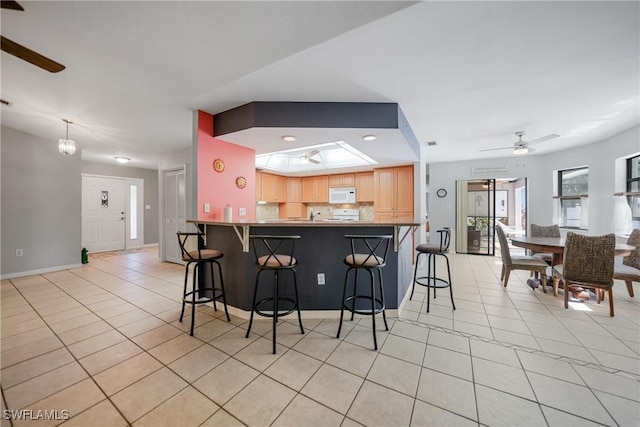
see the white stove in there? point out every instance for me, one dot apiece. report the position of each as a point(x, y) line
point(346, 215)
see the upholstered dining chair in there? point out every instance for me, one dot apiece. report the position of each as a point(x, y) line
point(517, 262)
point(629, 270)
point(588, 263)
point(545, 231)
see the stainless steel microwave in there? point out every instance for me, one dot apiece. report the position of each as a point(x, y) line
point(342, 195)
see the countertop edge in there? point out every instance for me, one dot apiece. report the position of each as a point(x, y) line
point(284, 223)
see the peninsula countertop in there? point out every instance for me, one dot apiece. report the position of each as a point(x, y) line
point(242, 227)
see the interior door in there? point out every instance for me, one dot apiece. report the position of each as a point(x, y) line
point(175, 205)
point(103, 214)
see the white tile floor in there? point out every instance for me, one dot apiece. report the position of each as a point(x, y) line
point(103, 342)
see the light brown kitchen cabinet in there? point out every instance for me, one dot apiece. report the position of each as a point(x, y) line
point(342, 180)
point(293, 210)
point(393, 193)
point(273, 188)
point(364, 187)
point(315, 189)
point(258, 185)
point(294, 190)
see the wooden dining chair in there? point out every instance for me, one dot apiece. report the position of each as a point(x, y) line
point(629, 270)
point(588, 263)
point(518, 262)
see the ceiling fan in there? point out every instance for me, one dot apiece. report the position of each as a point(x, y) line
point(23, 52)
point(522, 147)
point(308, 157)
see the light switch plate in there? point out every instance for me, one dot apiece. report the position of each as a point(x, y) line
point(207, 208)
point(242, 211)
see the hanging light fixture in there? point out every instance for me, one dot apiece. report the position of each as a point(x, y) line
point(66, 146)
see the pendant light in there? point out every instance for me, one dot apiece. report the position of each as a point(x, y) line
point(66, 146)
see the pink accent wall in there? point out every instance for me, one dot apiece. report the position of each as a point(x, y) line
point(219, 189)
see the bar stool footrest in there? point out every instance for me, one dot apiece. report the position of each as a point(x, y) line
point(379, 309)
point(280, 312)
point(433, 283)
point(188, 299)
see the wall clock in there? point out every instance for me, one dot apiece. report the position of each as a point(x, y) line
point(218, 165)
point(241, 182)
point(441, 192)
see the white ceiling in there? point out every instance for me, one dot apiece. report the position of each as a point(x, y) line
point(466, 74)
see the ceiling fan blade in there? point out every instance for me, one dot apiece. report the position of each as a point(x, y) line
point(494, 149)
point(314, 161)
point(29, 55)
point(544, 138)
point(9, 4)
point(312, 153)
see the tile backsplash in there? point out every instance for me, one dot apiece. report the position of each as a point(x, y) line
point(270, 210)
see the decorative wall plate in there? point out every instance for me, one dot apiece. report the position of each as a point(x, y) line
point(441, 192)
point(218, 165)
point(241, 182)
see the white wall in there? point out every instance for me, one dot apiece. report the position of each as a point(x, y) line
point(41, 205)
point(539, 170)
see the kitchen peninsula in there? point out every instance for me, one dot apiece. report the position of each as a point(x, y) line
point(321, 249)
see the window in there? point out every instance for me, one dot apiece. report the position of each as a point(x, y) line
point(633, 186)
point(573, 190)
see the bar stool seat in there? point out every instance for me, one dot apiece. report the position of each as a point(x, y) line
point(200, 294)
point(432, 281)
point(369, 253)
point(272, 306)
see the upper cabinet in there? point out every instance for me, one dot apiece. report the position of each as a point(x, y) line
point(393, 193)
point(342, 180)
point(364, 187)
point(273, 188)
point(294, 189)
point(258, 185)
point(315, 189)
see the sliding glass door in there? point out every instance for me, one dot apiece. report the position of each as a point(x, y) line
point(477, 205)
point(482, 204)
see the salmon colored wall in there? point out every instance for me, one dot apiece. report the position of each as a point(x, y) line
point(219, 189)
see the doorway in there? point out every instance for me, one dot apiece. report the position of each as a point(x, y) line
point(173, 212)
point(112, 214)
point(483, 203)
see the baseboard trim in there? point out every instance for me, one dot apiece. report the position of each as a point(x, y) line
point(39, 271)
point(306, 314)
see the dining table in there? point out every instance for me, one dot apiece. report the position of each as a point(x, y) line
point(555, 246)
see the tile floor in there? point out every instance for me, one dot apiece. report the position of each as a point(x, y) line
point(103, 345)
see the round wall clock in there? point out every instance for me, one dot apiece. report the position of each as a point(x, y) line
point(241, 182)
point(441, 192)
point(218, 165)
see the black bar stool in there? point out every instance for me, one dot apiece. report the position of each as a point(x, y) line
point(200, 256)
point(432, 280)
point(275, 253)
point(372, 258)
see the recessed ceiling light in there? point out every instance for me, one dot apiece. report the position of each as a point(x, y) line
point(122, 159)
point(288, 138)
point(369, 137)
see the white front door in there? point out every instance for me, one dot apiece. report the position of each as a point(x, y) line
point(103, 214)
point(174, 212)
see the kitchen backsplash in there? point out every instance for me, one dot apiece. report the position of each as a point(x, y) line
point(270, 210)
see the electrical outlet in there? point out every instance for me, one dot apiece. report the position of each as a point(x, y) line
point(242, 211)
point(18, 252)
point(320, 278)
